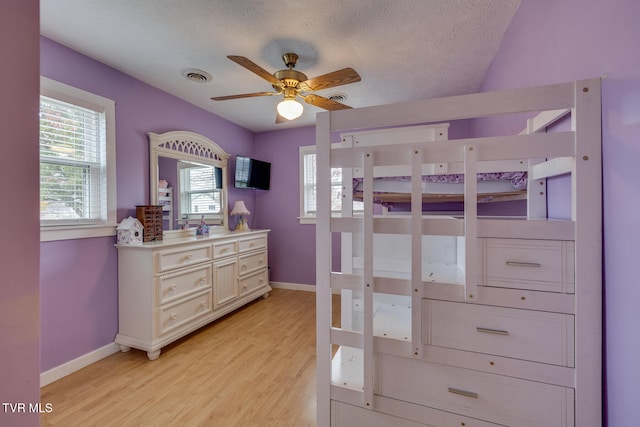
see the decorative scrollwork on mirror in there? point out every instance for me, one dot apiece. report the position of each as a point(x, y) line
point(198, 170)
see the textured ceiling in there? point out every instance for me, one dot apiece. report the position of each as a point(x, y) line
point(403, 49)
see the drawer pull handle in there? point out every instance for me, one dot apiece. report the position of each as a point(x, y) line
point(523, 264)
point(492, 331)
point(174, 316)
point(260, 261)
point(244, 266)
point(463, 392)
point(224, 250)
point(173, 287)
point(203, 279)
point(252, 245)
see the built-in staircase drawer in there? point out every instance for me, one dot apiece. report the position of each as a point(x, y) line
point(176, 315)
point(540, 265)
point(494, 398)
point(182, 257)
point(176, 285)
point(522, 334)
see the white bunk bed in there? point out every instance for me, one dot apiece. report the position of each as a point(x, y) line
point(462, 320)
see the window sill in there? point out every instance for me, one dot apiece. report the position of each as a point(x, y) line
point(51, 234)
point(307, 219)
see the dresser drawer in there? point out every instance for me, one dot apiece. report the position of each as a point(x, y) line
point(176, 285)
point(172, 259)
point(176, 315)
point(225, 248)
point(489, 397)
point(541, 265)
point(253, 262)
point(253, 243)
point(255, 281)
point(522, 334)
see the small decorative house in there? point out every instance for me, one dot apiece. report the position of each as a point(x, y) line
point(130, 231)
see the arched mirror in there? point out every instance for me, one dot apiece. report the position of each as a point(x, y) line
point(188, 177)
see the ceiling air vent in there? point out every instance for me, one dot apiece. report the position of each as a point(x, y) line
point(197, 76)
point(338, 97)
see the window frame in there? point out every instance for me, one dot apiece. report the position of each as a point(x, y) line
point(304, 218)
point(107, 226)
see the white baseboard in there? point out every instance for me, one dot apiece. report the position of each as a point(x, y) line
point(76, 364)
point(298, 287)
point(293, 286)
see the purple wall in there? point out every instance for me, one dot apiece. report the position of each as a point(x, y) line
point(565, 40)
point(79, 288)
point(548, 41)
point(292, 250)
point(19, 245)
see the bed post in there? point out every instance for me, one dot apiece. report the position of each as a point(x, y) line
point(470, 221)
point(323, 271)
point(587, 216)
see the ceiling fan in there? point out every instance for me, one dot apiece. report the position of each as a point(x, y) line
point(291, 84)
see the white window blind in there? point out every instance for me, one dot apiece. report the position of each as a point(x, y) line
point(72, 164)
point(308, 185)
point(200, 192)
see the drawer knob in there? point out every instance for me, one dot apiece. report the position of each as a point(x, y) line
point(261, 260)
point(463, 392)
point(244, 266)
point(173, 316)
point(523, 264)
point(203, 304)
point(203, 279)
point(245, 286)
point(173, 287)
point(252, 245)
point(261, 281)
point(492, 331)
point(224, 250)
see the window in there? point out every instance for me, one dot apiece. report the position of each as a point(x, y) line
point(200, 191)
point(308, 187)
point(77, 163)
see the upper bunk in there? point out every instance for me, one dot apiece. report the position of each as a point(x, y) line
point(416, 164)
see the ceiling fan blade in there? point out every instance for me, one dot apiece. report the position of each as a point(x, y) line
point(244, 95)
point(325, 103)
point(336, 78)
point(255, 68)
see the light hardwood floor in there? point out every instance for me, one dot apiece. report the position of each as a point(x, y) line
point(253, 367)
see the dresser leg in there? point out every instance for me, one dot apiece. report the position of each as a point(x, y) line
point(124, 348)
point(265, 296)
point(153, 355)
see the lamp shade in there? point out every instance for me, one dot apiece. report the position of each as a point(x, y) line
point(239, 208)
point(290, 109)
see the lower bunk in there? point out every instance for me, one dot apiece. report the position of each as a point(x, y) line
point(479, 366)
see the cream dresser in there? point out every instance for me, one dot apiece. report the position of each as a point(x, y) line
point(169, 288)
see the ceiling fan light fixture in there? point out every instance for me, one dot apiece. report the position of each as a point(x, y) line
point(290, 109)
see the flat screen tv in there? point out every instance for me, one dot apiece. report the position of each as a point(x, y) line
point(252, 173)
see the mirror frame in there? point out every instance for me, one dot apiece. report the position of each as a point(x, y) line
point(189, 146)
